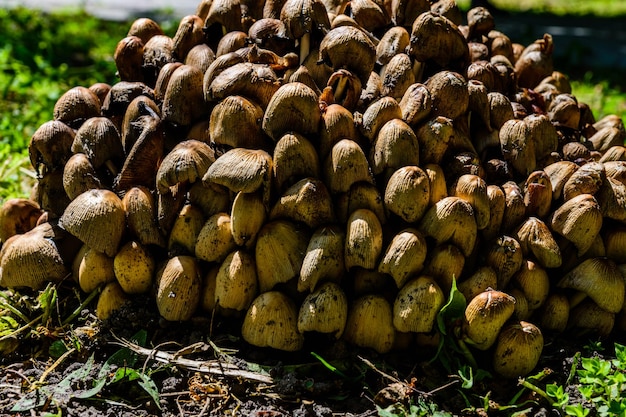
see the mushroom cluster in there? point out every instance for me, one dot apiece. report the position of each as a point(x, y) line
point(321, 168)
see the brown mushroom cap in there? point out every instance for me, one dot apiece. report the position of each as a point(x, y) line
point(31, 259)
point(600, 279)
point(97, 218)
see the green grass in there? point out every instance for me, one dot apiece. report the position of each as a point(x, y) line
point(604, 8)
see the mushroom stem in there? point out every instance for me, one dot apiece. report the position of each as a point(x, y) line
point(111, 167)
point(418, 69)
point(305, 46)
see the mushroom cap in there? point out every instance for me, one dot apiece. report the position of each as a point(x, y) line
point(325, 310)
point(186, 163)
point(272, 321)
point(31, 259)
point(97, 218)
point(600, 279)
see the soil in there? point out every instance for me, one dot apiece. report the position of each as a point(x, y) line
point(352, 383)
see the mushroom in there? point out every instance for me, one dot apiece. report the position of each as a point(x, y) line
point(76, 105)
point(301, 18)
point(50, 146)
point(97, 218)
point(308, 201)
point(184, 232)
point(178, 288)
point(535, 239)
point(293, 107)
point(32, 259)
point(485, 315)
point(100, 141)
point(140, 209)
point(370, 323)
point(518, 349)
point(272, 321)
point(279, 252)
point(236, 282)
point(111, 299)
point(188, 35)
point(325, 311)
point(92, 269)
point(18, 216)
point(407, 193)
point(364, 240)
point(417, 305)
point(185, 164)
point(599, 279)
point(451, 220)
point(247, 215)
point(404, 257)
point(323, 260)
point(215, 239)
point(134, 267)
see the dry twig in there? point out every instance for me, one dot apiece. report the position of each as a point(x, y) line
point(214, 367)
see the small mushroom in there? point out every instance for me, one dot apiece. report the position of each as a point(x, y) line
point(18, 216)
point(76, 105)
point(134, 267)
point(485, 315)
point(370, 323)
point(272, 321)
point(324, 311)
point(32, 259)
point(279, 252)
point(178, 288)
point(404, 257)
point(599, 279)
point(97, 218)
point(236, 283)
point(323, 260)
point(100, 141)
point(518, 349)
point(417, 304)
point(185, 164)
point(50, 146)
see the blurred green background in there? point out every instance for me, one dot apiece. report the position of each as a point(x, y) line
point(43, 55)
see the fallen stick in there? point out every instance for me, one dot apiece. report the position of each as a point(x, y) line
point(214, 367)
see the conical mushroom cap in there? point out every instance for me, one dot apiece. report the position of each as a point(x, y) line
point(417, 305)
point(600, 279)
point(325, 311)
point(178, 288)
point(518, 349)
point(31, 260)
point(370, 323)
point(323, 260)
point(293, 107)
point(451, 220)
point(307, 201)
point(272, 321)
point(485, 315)
point(240, 169)
point(187, 162)
point(578, 220)
point(404, 256)
point(97, 218)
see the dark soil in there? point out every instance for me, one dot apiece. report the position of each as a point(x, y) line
point(302, 385)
